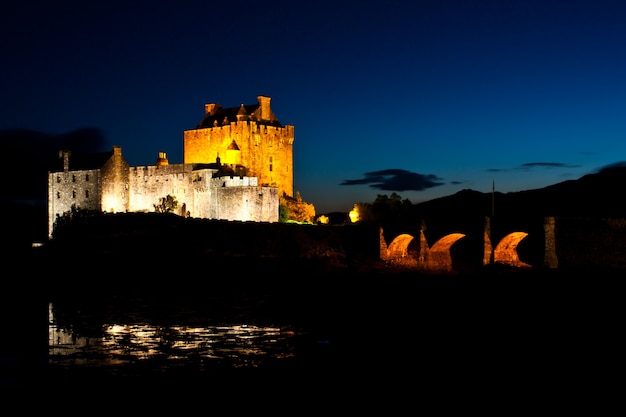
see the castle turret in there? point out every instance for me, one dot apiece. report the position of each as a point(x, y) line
point(162, 159)
point(242, 114)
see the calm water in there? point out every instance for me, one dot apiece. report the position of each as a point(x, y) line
point(131, 342)
point(433, 330)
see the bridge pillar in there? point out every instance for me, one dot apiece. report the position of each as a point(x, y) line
point(424, 254)
point(549, 259)
point(487, 246)
point(384, 250)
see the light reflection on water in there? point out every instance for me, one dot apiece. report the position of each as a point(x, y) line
point(119, 344)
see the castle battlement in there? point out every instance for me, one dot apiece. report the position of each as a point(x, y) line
point(234, 181)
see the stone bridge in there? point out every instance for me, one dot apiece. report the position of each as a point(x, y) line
point(458, 251)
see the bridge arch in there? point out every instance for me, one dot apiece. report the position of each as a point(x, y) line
point(506, 250)
point(399, 251)
point(439, 257)
point(398, 248)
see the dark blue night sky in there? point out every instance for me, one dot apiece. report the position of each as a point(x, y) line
point(420, 98)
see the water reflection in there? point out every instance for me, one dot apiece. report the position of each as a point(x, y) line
point(73, 342)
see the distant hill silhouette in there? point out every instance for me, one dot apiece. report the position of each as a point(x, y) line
point(593, 195)
point(31, 154)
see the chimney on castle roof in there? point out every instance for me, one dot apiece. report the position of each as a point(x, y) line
point(211, 108)
point(66, 159)
point(264, 104)
point(162, 159)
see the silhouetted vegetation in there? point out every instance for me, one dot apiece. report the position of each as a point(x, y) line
point(295, 209)
point(72, 219)
point(394, 214)
point(166, 205)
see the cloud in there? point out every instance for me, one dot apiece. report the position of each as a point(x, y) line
point(531, 165)
point(546, 165)
point(397, 180)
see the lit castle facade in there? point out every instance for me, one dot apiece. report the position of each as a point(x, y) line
point(237, 163)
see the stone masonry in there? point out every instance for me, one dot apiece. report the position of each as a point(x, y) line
point(237, 164)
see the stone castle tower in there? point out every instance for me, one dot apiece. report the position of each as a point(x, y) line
point(249, 139)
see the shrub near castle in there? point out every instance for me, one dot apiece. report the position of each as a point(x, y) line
point(166, 205)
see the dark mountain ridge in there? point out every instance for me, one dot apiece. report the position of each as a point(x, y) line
point(593, 195)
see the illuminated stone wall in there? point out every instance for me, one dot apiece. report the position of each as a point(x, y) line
point(234, 198)
point(67, 188)
point(115, 192)
point(104, 188)
point(259, 204)
point(256, 142)
point(118, 188)
point(148, 184)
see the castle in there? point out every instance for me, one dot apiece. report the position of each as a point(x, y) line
point(237, 162)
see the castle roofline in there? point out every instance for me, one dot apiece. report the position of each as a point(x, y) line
point(216, 115)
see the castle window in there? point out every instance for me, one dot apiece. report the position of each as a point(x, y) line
point(58, 178)
point(58, 194)
point(74, 194)
point(86, 193)
point(87, 177)
point(73, 178)
point(271, 166)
